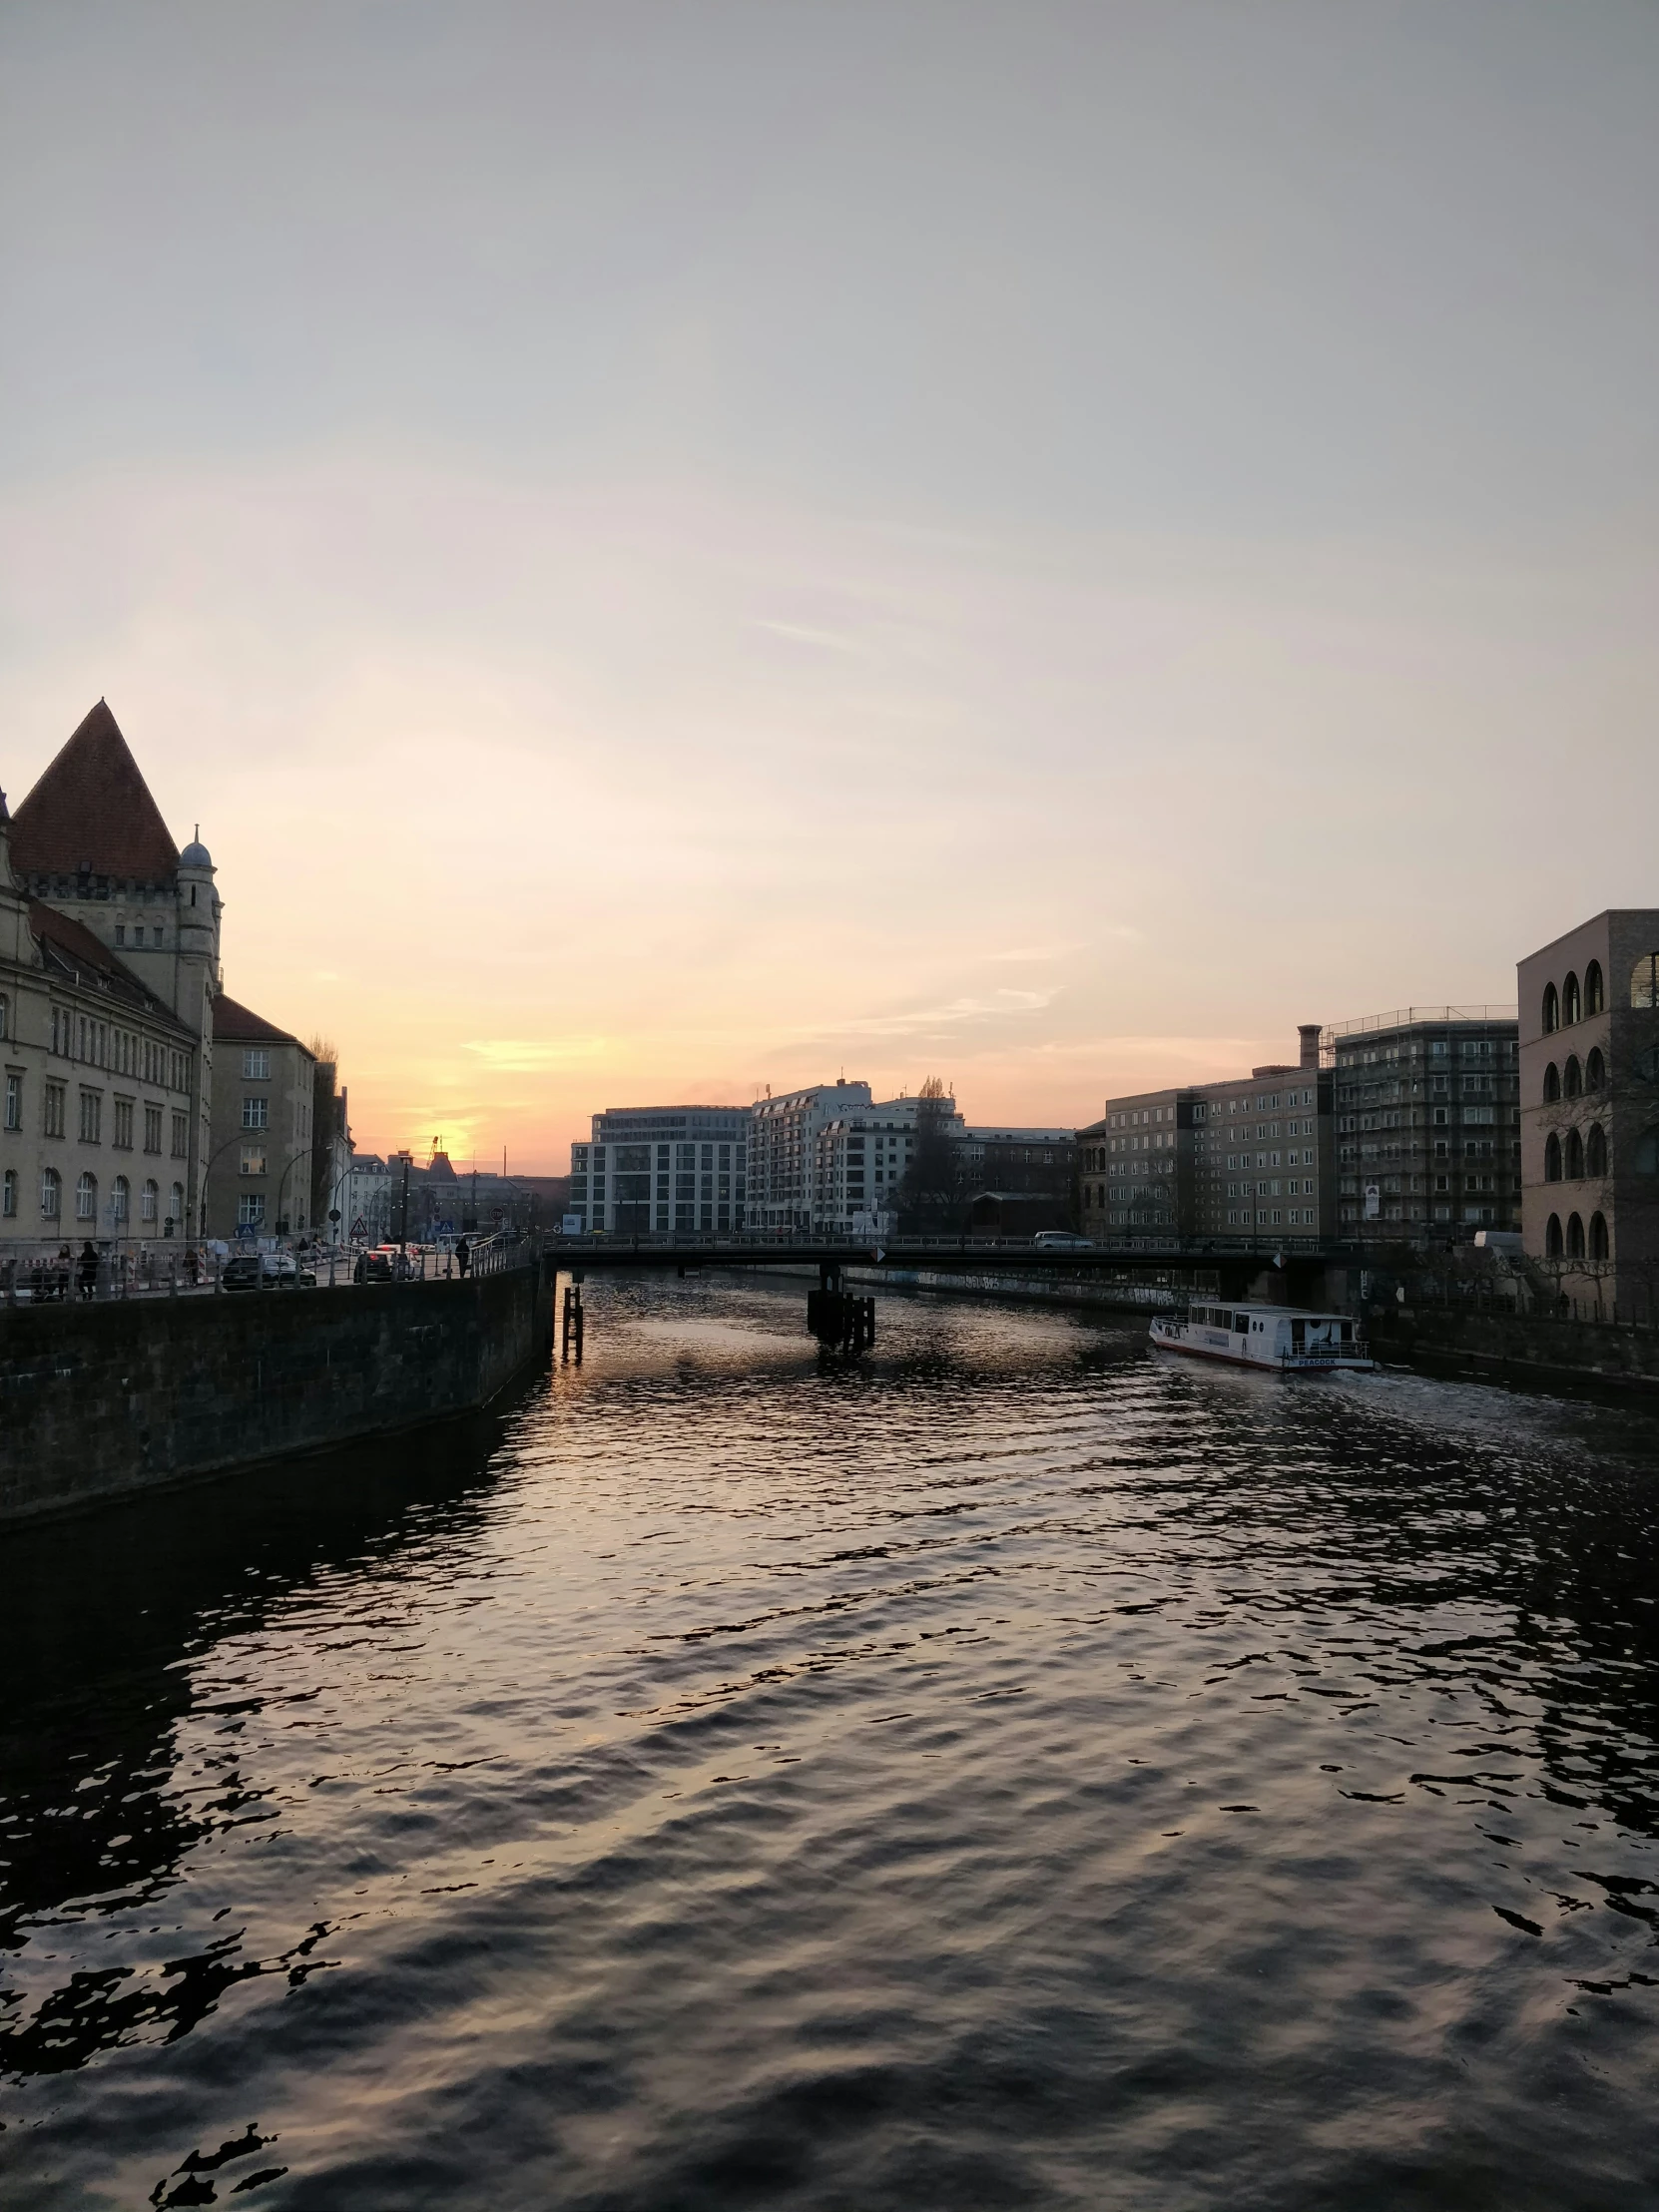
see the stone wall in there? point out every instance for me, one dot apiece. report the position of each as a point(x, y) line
point(99, 1399)
point(1517, 1348)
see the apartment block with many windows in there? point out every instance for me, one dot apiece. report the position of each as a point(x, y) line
point(1247, 1157)
point(1427, 1124)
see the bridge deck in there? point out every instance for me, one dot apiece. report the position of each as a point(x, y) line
point(587, 1252)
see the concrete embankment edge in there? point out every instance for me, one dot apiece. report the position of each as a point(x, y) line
point(103, 1400)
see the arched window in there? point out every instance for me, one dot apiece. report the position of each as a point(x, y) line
point(1572, 1081)
point(1553, 1083)
point(1575, 1237)
point(177, 1204)
point(1570, 1001)
point(1595, 1150)
point(1595, 996)
point(1553, 1158)
point(51, 1194)
point(1644, 983)
point(86, 1197)
point(1552, 1009)
point(119, 1196)
point(1647, 1152)
point(1575, 1157)
point(1595, 1070)
point(1552, 1238)
point(8, 1194)
point(148, 1202)
point(1598, 1237)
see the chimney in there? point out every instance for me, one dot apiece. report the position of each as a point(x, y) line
point(1309, 1032)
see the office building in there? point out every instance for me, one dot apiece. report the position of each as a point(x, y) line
point(662, 1170)
point(1589, 1111)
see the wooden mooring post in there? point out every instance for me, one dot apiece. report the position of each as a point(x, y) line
point(842, 1320)
point(573, 1320)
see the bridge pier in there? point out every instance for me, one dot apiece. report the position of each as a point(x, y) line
point(842, 1320)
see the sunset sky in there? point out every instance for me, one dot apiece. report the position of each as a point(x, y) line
point(676, 548)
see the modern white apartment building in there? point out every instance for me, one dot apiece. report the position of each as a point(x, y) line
point(783, 1165)
point(860, 1159)
point(660, 1170)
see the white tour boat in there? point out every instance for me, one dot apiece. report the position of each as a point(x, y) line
point(1277, 1336)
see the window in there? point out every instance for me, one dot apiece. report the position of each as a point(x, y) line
point(1552, 1013)
point(175, 1203)
point(1595, 1070)
point(152, 1129)
point(1569, 1014)
point(1552, 1238)
point(92, 1117)
point(1553, 1083)
point(1572, 1078)
point(1595, 1150)
point(180, 1135)
point(1595, 998)
point(14, 1100)
point(1575, 1237)
point(1552, 1159)
point(249, 1210)
point(256, 1113)
point(256, 1064)
point(119, 1196)
point(1598, 1225)
point(51, 1194)
point(8, 1194)
point(1575, 1157)
point(1647, 1152)
point(121, 934)
point(252, 1159)
point(149, 1201)
point(5, 1013)
point(86, 1197)
point(1644, 983)
point(124, 1124)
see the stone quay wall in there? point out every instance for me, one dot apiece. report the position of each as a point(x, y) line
point(1518, 1347)
point(102, 1399)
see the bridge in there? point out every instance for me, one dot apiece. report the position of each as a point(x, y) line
point(1298, 1273)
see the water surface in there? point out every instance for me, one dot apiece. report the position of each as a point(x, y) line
point(1019, 1771)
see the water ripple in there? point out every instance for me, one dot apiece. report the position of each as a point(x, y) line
point(1015, 1772)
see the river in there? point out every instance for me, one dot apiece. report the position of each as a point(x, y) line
point(1020, 1770)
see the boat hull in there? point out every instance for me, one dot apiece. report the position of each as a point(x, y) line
point(1173, 1336)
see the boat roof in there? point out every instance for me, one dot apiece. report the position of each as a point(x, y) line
point(1257, 1305)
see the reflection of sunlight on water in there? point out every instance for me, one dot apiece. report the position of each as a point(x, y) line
point(1011, 1759)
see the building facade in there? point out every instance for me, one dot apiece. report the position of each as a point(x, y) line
point(783, 1165)
point(662, 1170)
point(113, 962)
point(861, 1160)
point(1589, 1110)
point(1247, 1157)
point(1427, 1124)
point(101, 1079)
point(259, 1180)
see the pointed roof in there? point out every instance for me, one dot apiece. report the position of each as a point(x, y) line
point(92, 808)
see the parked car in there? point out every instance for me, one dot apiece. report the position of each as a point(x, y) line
point(1060, 1240)
point(375, 1266)
point(262, 1271)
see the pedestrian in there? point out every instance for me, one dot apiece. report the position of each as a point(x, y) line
point(88, 1274)
point(463, 1256)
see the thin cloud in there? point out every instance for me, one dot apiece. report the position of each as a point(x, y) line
point(528, 1055)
